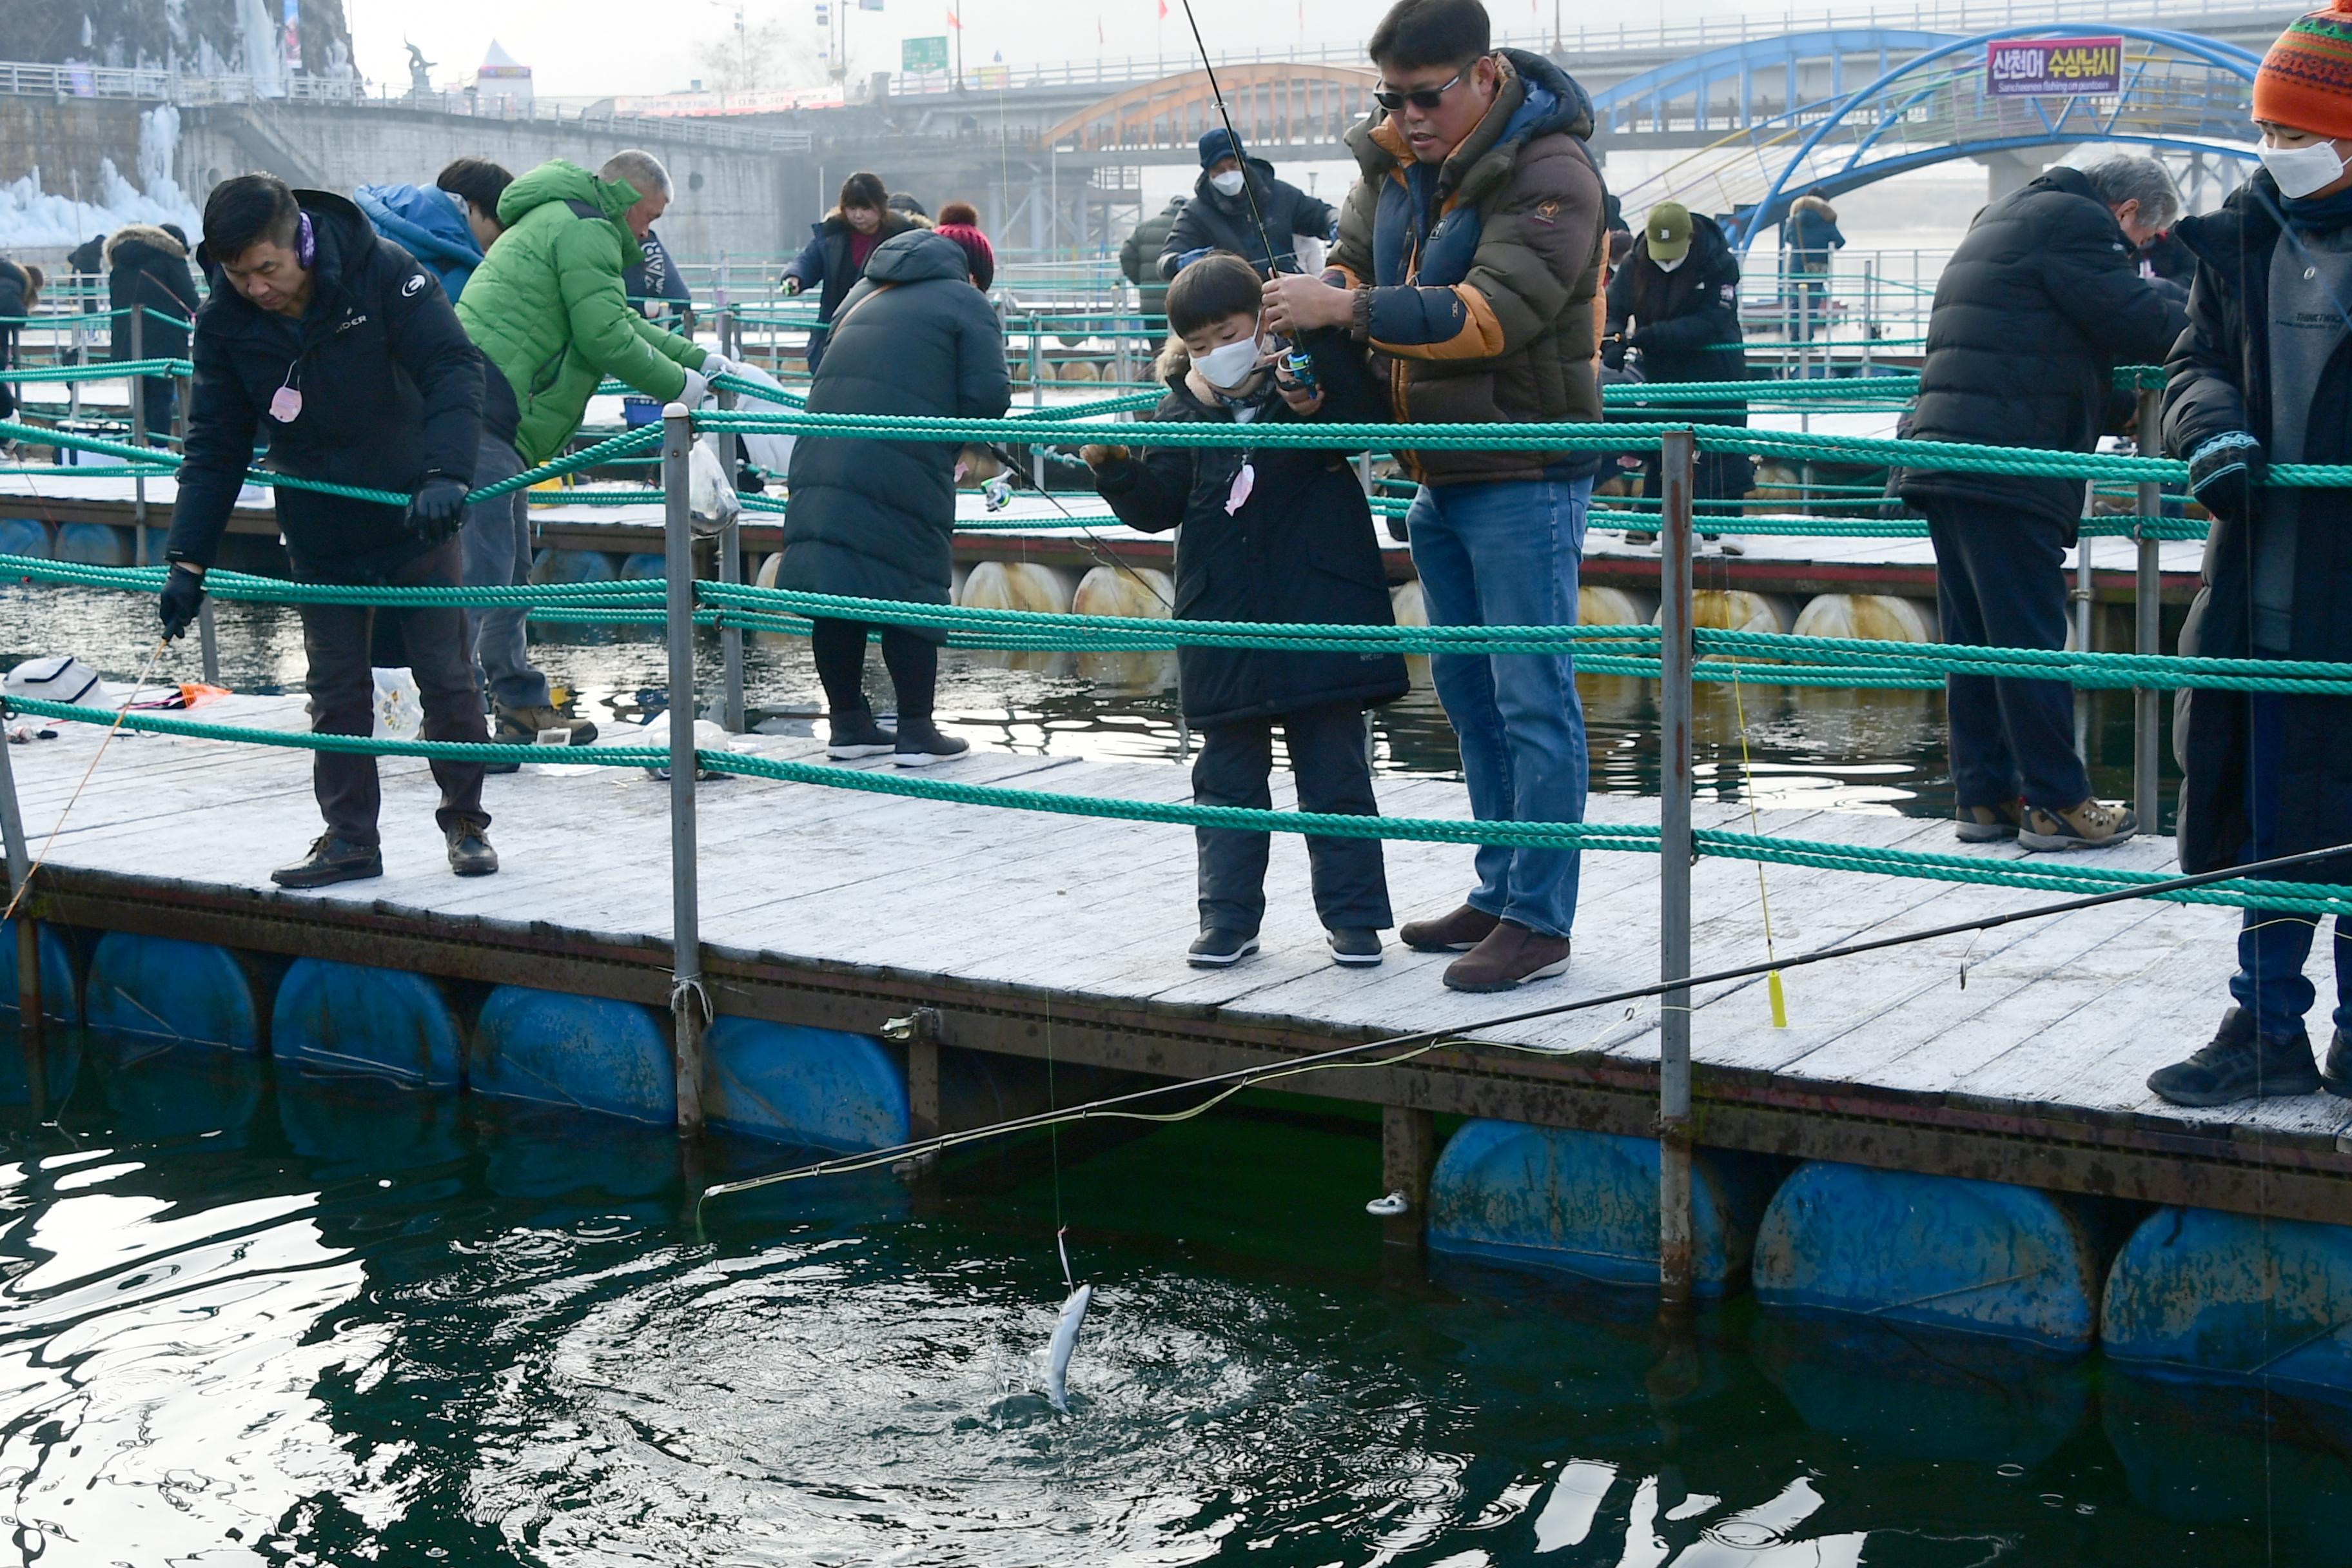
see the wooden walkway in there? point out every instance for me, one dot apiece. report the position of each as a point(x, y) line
point(1032, 932)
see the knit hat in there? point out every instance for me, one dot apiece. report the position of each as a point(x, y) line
point(978, 254)
point(2305, 82)
point(1216, 144)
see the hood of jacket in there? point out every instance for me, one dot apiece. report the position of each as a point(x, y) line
point(425, 220)
point(918, 256)
point(125, 242)
point(560, 180)
point(1815, 206)
point(1535, 97)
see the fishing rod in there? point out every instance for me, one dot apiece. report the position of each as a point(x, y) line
point(1103, 553)
point(1249, 191)
point(1407, 1047)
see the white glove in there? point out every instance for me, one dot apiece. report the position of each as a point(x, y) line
point(698, 389)
point(714, 365)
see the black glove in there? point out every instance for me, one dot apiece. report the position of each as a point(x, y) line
point(437, 510)
point(2224, 472)
point(183, 594)
point(1612, 352)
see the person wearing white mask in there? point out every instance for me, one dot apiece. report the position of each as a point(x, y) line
point(1676, 301)
point(1238, 206)
point(2264, 375)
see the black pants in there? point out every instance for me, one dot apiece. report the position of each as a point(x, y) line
point(1326, 755)
point(2001, 582)
point(913, 661)
point(342, 692)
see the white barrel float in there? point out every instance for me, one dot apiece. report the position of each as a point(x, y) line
point(1020, 586)
point(175, 990)
point(1605, 606)
point(766, 575)
point(820, 1088)
point(566, 566)
point(579, 1051)
point(61, 994)
point(1982, 1257)
point(1408, 607)
point(1587, 1203)
point(25, 536)
point(1140, 592)
point(94, 544)
point(1876, 617)
point(351, 1018)
point(2199, 1293)
point(1738, 610)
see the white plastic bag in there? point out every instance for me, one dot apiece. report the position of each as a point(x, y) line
point(57, 678)
point(712, 499)
point(399, 710)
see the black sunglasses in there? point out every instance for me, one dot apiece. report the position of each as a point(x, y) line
point(1425, 99)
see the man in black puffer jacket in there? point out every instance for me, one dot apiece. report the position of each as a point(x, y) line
point(2035, 310)
point(340, 350)
point(1220, 215)
point(1676, 300)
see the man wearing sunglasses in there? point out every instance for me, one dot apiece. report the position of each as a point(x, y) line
point(1468, 259)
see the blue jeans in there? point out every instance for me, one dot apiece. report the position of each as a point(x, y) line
point(2273, 945)
point(497, 537)
point(1506, 555)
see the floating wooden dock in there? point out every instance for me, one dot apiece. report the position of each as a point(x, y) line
point(2017, 1056)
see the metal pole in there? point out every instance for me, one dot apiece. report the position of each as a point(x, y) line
point(19, 858)
point(138, 389)
point(687, 1003)
point(2147, 604)
point(730, 570)
point(1869, 309)
point(2082, 597)
point(1677, 466)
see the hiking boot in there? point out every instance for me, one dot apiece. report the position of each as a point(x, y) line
point(1989, 823)
point(1219, 947)
point(1356, 947)
point(920, 744)
point(2094, 825)
point(2335, 1077)
point(1459, 932)
point(541, 726)
point(1512, 955)
point(331, 860)
point(2236, 1065)
point(852, 735)
point(470, 854)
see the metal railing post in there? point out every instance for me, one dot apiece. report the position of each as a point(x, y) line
point(138, 389)
point(688, 1006)
point(2082, 596)
point(2147, 607)
point(1677, 472)
point(731, 571)
point(19, 859)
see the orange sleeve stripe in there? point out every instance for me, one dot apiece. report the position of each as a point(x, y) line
point(1481, 336)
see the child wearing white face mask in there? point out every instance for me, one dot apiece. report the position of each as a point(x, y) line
point(1268, 534)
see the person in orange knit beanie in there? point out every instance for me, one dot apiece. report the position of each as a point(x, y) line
point(2263, 374)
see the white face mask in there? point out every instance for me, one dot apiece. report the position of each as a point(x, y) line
point(1227, 367)
point(1228, 183)
point(1674, 266)
point(2300, 171)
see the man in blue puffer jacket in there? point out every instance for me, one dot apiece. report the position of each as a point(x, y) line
point(447, 224)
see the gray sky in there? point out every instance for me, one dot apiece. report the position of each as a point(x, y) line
point(592, 48)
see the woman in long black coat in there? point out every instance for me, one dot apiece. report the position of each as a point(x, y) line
point(2266, 773)
point(875, 520)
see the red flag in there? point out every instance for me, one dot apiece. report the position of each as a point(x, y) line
point(1163, 10)
point(957, 21)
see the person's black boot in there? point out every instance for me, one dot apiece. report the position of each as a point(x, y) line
point(1219, 947)
point(921, 744)
point(2235, 1065)
point(470, 854)
point(331, 860)
point(2335, 1077)
point(855, 734)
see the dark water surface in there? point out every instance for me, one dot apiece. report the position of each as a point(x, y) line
point(253, 1318)
point(1877, 751)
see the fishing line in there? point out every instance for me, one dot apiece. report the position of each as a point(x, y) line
point(17, 896)
point(1777, 997)
point(1249, 190)
point(1103, 553)
point(1408, 1047)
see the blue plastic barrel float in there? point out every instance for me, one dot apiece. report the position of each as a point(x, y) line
point(1587, 1204)
point(61, 994)
point(166, 1089)
point(586, 1052)
point(566, 566)
point(353, 1019)
point(1944, 1252)
point(820, 1088)
point(173, 990)
point(94, 544)
point(643, 564)
point(2201, 1294)
point(25, 536)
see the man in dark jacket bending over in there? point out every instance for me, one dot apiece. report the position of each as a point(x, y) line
point(341, 352)
point(2035, 310)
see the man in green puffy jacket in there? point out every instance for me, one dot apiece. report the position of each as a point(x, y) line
point(547, 308)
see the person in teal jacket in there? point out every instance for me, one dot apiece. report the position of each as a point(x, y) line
point(548, 309)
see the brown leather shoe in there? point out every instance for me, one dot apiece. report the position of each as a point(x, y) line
point(1460, 932)
point(1512, 955)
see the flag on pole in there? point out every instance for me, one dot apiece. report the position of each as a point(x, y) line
point(956, 22)
point(1163, 10)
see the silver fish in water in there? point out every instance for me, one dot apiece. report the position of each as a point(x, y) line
point(1066, 1341)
